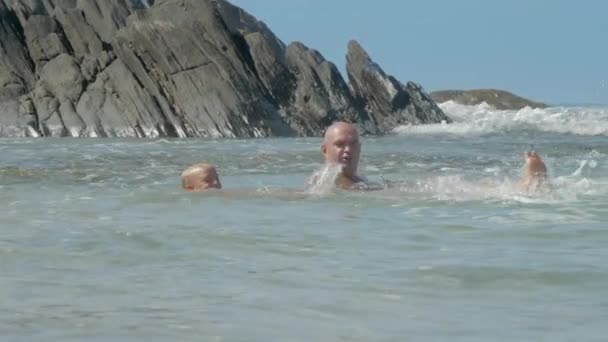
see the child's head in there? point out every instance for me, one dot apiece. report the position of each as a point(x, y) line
point(200, 177)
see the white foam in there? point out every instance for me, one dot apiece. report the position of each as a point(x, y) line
point(484, 119)
point(578, 171)
point(323, 181)
point(571, 187)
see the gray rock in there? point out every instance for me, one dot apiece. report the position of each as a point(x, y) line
point(106, 17)
point(21, 9)
point(91, 107)
point(82, 38)
point(320, 96)
point(180, 68)
point(388, 102)
point(72, 122)
point(191, 58)
point(261, 50)
point(26, 107)
point(425, 109)
point(270, 66)
point(16, 72)
point(89, 67)
point(126, 109)
point(63, 78)
point(44, 39)
point(16, 66)
point(27, 113)
point(53, 126)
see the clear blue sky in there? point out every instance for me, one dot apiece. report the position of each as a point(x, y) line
point(547, 50)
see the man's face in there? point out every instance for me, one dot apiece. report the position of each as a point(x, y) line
point(342, 146)
point(535, 165)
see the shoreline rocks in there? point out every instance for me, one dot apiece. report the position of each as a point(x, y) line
point(182, 68)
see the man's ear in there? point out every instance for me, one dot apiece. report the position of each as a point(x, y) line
point(323, 149)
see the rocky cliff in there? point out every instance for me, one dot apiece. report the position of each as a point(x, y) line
point(181, 68)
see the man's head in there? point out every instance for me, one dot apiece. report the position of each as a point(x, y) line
point(200, 177)
point(535, 167)
point(535, 173)
point(341, 146)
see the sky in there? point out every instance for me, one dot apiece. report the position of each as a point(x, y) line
point(554, 51)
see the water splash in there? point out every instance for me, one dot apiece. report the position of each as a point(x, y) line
point(323, 180)
point(485, 119)
point(571, 187)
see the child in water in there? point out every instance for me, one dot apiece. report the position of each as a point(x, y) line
point(200, 177)
point(203, 177)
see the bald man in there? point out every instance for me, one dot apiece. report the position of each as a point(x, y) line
point(200, 177)
point(535, 172)
point(341, 146)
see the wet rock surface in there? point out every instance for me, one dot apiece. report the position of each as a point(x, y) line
point(181, 68)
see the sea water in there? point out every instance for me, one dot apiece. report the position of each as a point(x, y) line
point(99, 243)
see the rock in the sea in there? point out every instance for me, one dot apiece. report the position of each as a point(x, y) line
point(182, 50)
point(16, 72)
point(320, 96)
point(44, 39)
point(498, 99)
point(387, 100)
point(181, 68)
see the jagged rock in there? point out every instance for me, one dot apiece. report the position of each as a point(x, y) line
point(16, 72)
point(89, 68)
point(53, 126)
point(106, 17)
point(45, 107)
point(63, 78)
point(91, 108)
point(194, 61)
point(183, 68)
point(21, 10)
point(388, 102)
point(26, 107)
point(105, 58)
point(72, 123)
point(16, 67)
point(82, 37)
point(27, 112)
point(262, 50)
point(44, 39)
point(498, 99)
point(320, 96)
point(118, 105)
point(425, 109)
point(269, 64)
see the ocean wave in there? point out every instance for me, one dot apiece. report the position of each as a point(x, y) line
point(484, 119)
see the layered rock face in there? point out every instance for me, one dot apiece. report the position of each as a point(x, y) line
point(388, 102)
point(181, 68)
